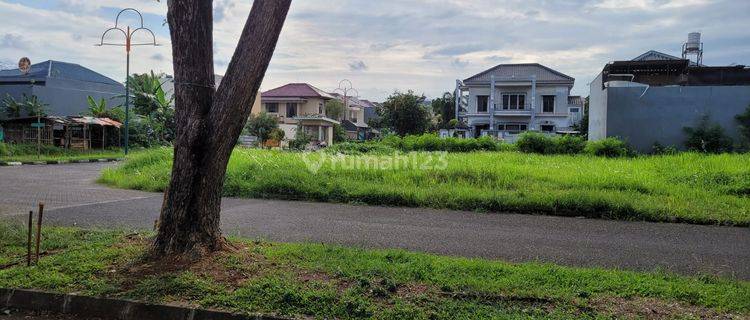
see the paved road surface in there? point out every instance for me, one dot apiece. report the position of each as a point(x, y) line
point(690, 249)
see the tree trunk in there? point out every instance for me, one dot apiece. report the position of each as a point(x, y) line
point(209, 121)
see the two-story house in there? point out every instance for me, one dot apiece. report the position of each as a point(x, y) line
point(512, 98)
point(299, 105)
point(353, 120)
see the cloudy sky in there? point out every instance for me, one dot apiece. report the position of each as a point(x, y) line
point(388, 45)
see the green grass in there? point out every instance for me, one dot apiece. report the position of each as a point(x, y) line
point(324, 281)
point(688, 187)
point(28, 153)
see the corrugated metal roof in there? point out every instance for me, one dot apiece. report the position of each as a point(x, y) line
point(522, 72)
point(296, 90)
point(58, 70)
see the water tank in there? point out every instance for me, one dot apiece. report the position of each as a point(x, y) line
point(694, 41)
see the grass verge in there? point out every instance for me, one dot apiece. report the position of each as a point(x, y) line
point(688, 187)
point(28, 153)
point(325, 281)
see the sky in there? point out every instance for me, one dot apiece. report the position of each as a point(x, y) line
point(388, 45)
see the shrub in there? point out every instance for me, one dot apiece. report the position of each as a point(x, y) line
point(743, 121)
point(659, 149)
point(570, 144)
point(355, 148)
point(708, 137)
point(4, 150)
point(534, 142)
point(301, 140)
point(610, 147)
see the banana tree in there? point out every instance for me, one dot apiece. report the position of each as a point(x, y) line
point(12, 107)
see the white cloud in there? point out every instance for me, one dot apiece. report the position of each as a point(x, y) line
point(403, 44)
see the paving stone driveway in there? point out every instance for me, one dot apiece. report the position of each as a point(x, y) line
point(58, 186)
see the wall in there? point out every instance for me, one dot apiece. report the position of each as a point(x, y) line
point(597, 110)
point(662, 113)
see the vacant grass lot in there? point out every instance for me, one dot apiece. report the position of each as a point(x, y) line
point(336, 282)
point(692, 188)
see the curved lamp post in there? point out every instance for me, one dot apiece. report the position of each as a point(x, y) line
point(128, 33)
point(345, 87)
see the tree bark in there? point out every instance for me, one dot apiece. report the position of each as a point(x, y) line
point(209, 121)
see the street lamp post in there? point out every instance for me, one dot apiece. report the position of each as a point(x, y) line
point(128, 44)
point(346, 86)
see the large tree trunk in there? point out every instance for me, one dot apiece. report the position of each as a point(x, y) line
point(209, 121)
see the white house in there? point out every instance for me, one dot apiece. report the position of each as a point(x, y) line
point(512, 98)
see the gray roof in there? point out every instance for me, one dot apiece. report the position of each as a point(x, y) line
point(653, 55)
point(56, 69)
point(522, 72)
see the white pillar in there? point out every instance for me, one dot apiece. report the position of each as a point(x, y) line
point(458, 98)
point(492, 103)
point(320, 133)
point(533, 102)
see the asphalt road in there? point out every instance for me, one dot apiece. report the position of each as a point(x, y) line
point(73, 198)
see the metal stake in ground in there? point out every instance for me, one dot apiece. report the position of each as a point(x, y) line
point(28, 241)
point(39, 229)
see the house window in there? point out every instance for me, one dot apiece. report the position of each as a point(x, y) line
point(575, 110)
point(548, 104)
point(352, 116)
point(482, 103)
point(272, 107)
point(548, 128)
point(320, 108)
point(516, 101)
point(291, 110)
point(513, 128)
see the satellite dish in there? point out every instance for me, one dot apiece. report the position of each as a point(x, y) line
point(24, 65)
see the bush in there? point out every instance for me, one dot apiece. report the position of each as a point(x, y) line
point(301, 140)
point(4, 150)
point(570, 144)
point(357, 148)
point(610, 147)
point(708, 137)
point(659, 149)
point(534, 142)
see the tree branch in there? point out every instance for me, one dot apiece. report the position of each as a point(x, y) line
point(237, 92)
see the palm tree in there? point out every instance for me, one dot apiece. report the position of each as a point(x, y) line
point(34, 107)
point(12, 107)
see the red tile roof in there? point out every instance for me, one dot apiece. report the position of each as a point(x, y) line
point(296, 90)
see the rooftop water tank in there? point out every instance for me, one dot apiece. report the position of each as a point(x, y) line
point(694, 41)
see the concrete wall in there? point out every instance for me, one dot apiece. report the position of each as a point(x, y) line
point(597, 110)
point(662, 113)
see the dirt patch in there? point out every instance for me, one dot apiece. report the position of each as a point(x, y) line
point(656, 309)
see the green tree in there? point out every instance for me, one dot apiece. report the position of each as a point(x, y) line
point(99, 110)
point(12, 107)
point(404, 114)
point(743, 121)
point(339, 134)
point(261, 126)
point(150, 103)
point(583, 125)
point(335, 109)
point(445, 109)
point(708, 137)
point(34, 107)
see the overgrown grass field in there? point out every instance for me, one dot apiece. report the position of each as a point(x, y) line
point(687, 187)
point(324, 281)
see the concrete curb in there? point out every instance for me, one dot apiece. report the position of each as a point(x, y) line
point(37, 163)
point(110, 308)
